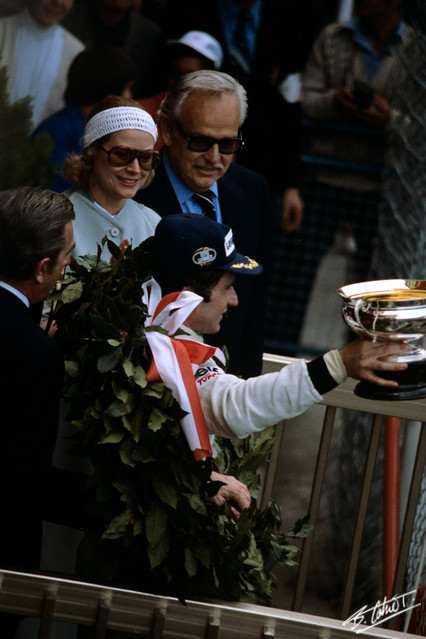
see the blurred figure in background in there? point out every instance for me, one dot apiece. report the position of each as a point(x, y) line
point(37, 53)
point(265, 45)
point(116, 23)
point(9, 7)
point(94, 74)
point(348, 91)
point(400, 248)
point(194, 51)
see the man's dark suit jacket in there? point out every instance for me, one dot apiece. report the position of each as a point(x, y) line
point(31, 376)
point(245, 206)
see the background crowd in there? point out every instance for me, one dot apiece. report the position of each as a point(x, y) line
point(321, 152)
point(295, 163)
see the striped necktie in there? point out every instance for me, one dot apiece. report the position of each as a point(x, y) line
point(205, 200)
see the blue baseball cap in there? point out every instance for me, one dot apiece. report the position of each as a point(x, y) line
point(189, 242)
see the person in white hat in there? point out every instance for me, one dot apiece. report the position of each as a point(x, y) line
point(194, 51)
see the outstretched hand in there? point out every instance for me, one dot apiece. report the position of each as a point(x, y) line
point(363, 358)
point(233, 491)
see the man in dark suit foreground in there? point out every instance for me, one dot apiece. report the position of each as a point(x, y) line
point(36, 237)
point(200, 121)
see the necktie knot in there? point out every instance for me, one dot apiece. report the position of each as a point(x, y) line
point(205, 200)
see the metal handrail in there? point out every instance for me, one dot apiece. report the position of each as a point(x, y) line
point(52, 599)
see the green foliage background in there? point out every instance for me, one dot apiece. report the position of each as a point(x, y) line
point(21, 163)
point(150, 499)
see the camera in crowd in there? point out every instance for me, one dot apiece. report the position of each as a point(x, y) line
point(363, 94)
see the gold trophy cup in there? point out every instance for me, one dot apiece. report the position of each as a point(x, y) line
point(392, 311)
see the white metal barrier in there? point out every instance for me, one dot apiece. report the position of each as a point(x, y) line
point(156, 617)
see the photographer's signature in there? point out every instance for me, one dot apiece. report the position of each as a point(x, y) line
point(381, 612)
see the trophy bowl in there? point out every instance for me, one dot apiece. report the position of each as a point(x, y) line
point(390, 311)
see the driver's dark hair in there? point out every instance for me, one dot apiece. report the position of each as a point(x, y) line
point(201, 283)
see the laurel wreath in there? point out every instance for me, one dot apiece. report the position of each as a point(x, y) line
point(150, 501)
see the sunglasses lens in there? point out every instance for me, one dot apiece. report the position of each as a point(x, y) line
point(155, 160)
point(228, 145)
point(121, 157)
point(201, 144)
point(147, 161)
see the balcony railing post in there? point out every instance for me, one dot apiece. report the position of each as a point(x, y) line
point(404, 546)
point(391, 501)
point(314, 504)
point(361, 515)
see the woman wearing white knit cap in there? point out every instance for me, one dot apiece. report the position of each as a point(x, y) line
point(117, 160)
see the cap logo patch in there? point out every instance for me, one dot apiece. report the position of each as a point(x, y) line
point(229, 243)
point(204, 256)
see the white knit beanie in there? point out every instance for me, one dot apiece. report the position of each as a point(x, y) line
point(118, 119)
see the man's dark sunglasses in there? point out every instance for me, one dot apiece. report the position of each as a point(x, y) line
point(202, 143)
point(122, 156)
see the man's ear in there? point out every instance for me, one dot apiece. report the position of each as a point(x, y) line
point(42, 269)
point(166, 128)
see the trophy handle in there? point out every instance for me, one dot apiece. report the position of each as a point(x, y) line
point(363, 305)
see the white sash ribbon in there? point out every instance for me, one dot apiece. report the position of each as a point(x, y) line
point(176, 360)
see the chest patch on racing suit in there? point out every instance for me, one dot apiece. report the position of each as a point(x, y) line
point(204, 373)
